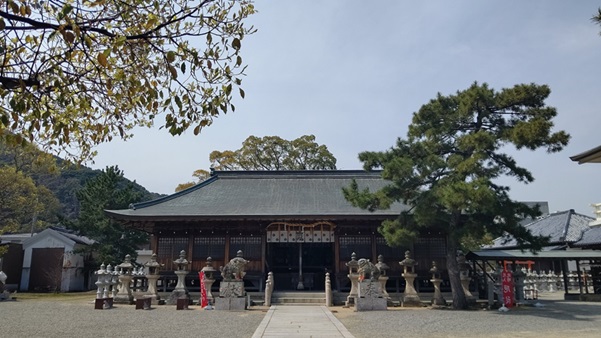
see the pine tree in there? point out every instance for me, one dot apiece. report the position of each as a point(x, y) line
point(112, 240)
point(447, 167)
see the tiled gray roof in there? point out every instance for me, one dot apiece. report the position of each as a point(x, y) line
point(239, 194)
point(561, 228)
point(591, 237)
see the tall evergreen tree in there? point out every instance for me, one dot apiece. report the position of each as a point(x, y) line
point(448, 166)
point(109, 190)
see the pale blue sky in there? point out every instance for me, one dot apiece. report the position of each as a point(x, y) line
point(353, 72)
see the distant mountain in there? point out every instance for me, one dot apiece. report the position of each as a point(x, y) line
point(64, 184)
point(72, 178)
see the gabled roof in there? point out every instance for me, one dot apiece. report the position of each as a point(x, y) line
point(248, 194)
point(61, 234)
point(563, 227)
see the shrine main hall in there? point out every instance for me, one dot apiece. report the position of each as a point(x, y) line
point(296, 224)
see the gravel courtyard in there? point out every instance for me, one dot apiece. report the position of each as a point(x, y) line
point(74, 316)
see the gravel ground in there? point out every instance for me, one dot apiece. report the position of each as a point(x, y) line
point(76, 317)
point(557, 318)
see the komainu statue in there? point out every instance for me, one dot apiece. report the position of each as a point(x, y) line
point(234, 270)
point(367, 270)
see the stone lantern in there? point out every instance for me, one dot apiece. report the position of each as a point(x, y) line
point(353, 275)
point(124, 294)
point(383, 267)
point(180, 291)
point(152, 276)
point(112, 278)
point(209, 273)
point(465, 276)
point(436, 280)
point(410, 296)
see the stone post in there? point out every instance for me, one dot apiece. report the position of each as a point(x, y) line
point(383, 267)
point(437, 300)
point(152, 276)
point(329, 297)
point(410, 296)
point(180, 291)
point(353, 275)
point(465, 276)
point(124, 294)
point(268, 288)
point(209, 273)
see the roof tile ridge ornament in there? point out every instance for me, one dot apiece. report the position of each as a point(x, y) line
point(566, 226)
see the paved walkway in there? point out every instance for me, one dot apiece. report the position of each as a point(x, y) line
point(300, 321)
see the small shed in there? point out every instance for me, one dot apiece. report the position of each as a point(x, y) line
point(50, 262)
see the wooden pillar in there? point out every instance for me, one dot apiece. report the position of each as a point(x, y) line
point(190, 246)
point(336, 253)
point(154, 243)
point(374, 247)
point(564, 269)
point(227, 248)
point(579, 275)
point(263, 251)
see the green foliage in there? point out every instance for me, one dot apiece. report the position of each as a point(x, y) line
point(275, 153)
point(113, 240)
point(26, 204)
point(447, 167)
point(270, 153)
point(78, 73)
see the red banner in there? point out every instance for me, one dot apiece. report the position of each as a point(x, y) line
point(204, 301)
point(507, 286)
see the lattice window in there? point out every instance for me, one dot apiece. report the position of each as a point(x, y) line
point(170, 247)
point(250, 246)
point(361, 245)
point(433, 247)
point(388, 252)
point(213, 247)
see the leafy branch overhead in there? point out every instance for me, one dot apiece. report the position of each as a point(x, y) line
point(74, 74)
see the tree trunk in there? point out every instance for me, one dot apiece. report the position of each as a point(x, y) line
point(459, 300)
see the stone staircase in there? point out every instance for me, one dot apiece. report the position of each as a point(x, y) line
point(298, 298)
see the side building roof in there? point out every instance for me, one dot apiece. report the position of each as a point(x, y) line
point(561, 227)
point(263, 194)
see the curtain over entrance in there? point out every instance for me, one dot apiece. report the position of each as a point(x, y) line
point(300, 254)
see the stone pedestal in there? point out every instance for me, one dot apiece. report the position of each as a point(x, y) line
point(152, 292)
point(383, 280)
point(410, 296)
point(350, 299)
point(353, 266)
point(124, 295)
point(465, 284)
point(369, 297)
point(208, 285)
point(437, 299)
point(180, 291)
point(232, 296)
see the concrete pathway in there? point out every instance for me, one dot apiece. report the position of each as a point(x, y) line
point(300, 321)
